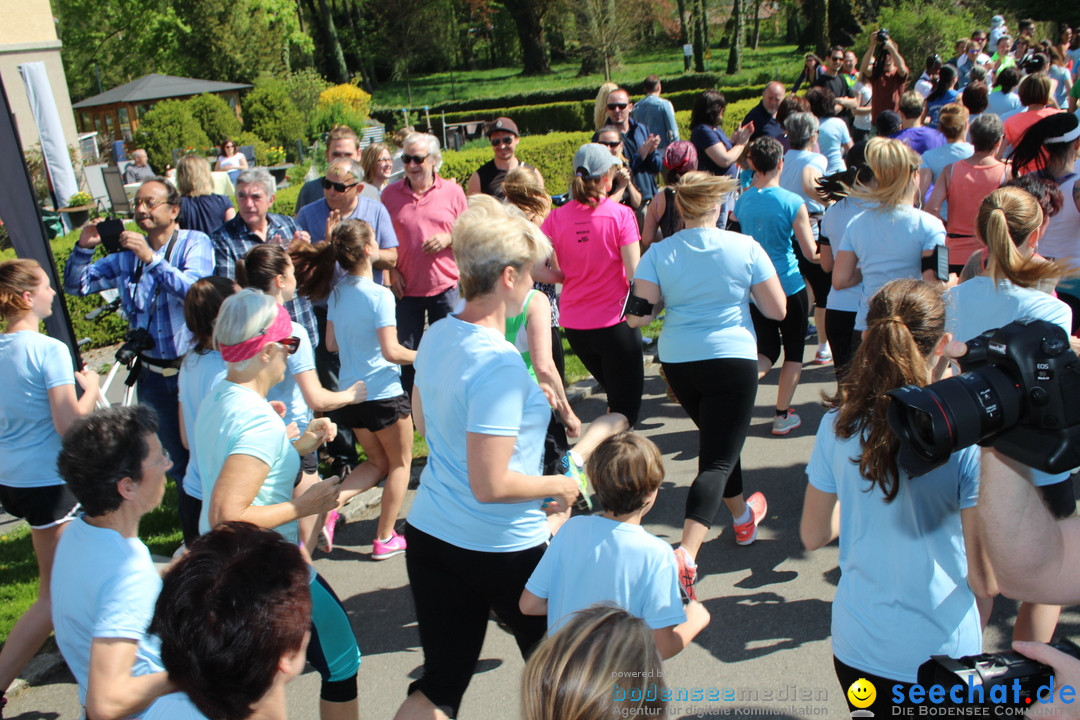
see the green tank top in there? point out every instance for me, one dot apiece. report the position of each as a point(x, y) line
point(516, 335)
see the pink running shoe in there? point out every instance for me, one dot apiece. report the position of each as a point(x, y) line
point(746, 533)
point(687, 573)
point(394, 546)
point(326, 536)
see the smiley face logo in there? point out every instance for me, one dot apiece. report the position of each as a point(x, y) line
point(862, 693)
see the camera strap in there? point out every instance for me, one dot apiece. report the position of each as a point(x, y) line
point(157, 286)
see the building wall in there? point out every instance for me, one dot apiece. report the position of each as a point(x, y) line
point(28, 34)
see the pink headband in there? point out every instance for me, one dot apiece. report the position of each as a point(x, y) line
point(280, 329)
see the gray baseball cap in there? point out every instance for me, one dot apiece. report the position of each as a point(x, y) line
point(593, 160)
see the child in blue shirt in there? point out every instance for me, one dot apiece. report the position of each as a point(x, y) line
point(611, 557)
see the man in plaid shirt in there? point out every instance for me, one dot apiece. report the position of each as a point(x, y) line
point(153, 274)
point(255, 224)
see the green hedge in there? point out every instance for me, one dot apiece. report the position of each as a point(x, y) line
point(580, 93)
point(551, 154)
point(285, 200)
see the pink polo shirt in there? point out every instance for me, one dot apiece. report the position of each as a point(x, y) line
point(588, 243)
point(416, 218)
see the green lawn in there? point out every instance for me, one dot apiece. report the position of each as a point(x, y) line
point(766, 63)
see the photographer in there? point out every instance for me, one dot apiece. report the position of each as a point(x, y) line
point(888, 73)
point(153, 273)
point(1035, 558)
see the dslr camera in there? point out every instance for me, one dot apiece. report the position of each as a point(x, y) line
point(1006, 679)
point(1019, 392)
point(136, 341)
point(882, 35)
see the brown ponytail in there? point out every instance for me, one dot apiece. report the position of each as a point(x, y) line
point(587, 191)
point(314, 264)
point(905, 322)
point(17, 277)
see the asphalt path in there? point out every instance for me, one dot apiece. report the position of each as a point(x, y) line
point(768, 641)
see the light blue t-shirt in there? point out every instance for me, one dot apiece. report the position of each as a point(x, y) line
point(705, 276)
point(1004, 105)
point(31, 365)
point(903, 594)
point(889, 244)
point(833, 224)
point(312, 218)
point(594, 559)
point(795, 161)
point(472, 381)
point(103, 586)
point(768, 215)
point(175, 706)
point(358, 308)
point(1061, 90)
point(237, 421)
point(832, 135)
point(199, 375)
point(935, 159)
point(975, 306)
point(288, 391)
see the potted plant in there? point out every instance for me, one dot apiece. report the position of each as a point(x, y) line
point(274, 160)
point(78, 208)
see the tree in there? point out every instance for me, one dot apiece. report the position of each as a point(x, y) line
point(529, 17)
point(214, 116)
point(738, 37)
point(271, 114)
point(169, 126)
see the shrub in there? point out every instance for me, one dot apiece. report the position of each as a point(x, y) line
point(285, 200)
point(327, 116)
point(217, 119)
point(304, 87)
point(921, 28)
point(349, 95)
point(551, 154)
point(270, 113)
point(168, 126)
point(250, 138)
point(531, 120)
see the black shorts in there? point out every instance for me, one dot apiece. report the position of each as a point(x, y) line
point(40, 507)
point(375, 415)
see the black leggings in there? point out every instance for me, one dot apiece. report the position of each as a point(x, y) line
point(613, 356)
point(840, 329)
point(883, 703)
point(790, 332)
point(454, 591)
point(718, 395)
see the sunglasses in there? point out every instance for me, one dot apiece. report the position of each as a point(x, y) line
point(291, 344)
point(496, 142)
point(418, 159)
point(610, 144)
point(838, 57)
point(339, 187)
point(617, 106)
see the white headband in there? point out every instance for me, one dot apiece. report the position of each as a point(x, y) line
point(1067, 137)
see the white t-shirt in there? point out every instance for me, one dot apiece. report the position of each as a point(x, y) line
point(103, 586)
point(594, 559)
point(705, 276)
point(833, 225)
point(471, 380)
point(31, 365)
point(903, 593)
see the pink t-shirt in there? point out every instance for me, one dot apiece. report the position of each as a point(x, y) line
point(588, 244)
point(416, 218)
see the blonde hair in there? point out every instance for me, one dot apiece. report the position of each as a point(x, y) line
point(894, 165)
point(524, 189)
point(1007, 218)
point(488, 238)
point(569, 677)
point(17, 277)
point(193, 176)
point(698, 193)
point(369, 159)
point(952, 120)
point(600, 108)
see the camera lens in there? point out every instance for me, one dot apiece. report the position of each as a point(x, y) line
point(935, 421)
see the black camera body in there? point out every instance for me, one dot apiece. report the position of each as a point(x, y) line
point(882, 35)
point(136, 341)
point(1006, 679)
point(110, 230)
point(1019, 392)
